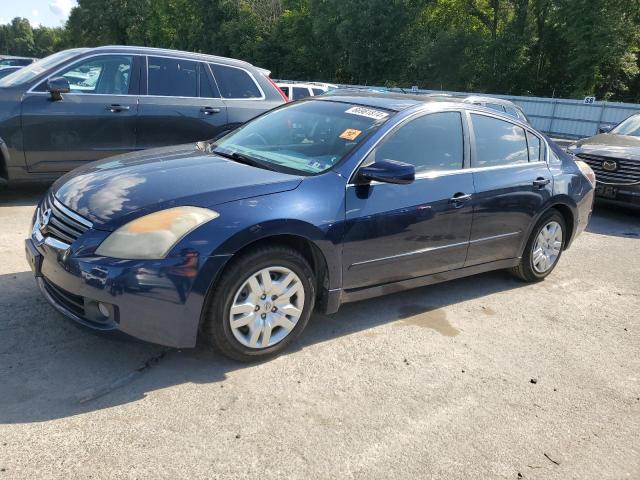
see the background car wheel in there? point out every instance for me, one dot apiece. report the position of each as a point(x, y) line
point(544, 248)
point(260, 304)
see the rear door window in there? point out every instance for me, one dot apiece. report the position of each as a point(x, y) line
point(285, 90)
point(498, 142)
point(235, 82)
point(300, 92)
point(172, 77)
point(317, 91)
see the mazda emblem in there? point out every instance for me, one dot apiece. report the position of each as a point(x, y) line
point(610, 165)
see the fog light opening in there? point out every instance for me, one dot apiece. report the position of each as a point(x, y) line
point(104, 310)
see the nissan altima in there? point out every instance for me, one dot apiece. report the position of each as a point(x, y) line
point(319, 202)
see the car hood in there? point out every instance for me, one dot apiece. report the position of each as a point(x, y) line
point(116, 190)
point(609, 145)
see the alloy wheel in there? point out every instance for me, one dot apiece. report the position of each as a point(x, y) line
point(266, 307)
point(547, 246)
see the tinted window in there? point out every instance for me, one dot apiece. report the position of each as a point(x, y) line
point(300, 92)
point(317, 91)
point(11, 62)
point(534, 147)
point(498, 142)
point(106, 74)
point(172, 77)
point(285, 90)
point(495, 106)
point(432, 142)
point(235, 83)
point(511, 111)
point(207, 90)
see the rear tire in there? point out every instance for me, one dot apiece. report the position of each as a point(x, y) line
point(261, 303)
point(544, 248)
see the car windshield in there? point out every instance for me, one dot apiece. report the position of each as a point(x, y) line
point(631, 127)
point(309, 136)
point(30, 72)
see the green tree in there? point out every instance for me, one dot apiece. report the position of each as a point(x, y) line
point(535, 47)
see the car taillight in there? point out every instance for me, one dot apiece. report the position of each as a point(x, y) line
point(587, 172)
point(286, 99)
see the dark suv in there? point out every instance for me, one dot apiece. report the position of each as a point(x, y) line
point(81, 105)
point(614, 156)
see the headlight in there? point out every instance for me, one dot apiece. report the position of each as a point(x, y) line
point(154, 235)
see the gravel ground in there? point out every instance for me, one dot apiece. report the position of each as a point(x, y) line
point(478, 378)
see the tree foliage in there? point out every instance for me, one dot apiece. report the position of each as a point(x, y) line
point(565, 48)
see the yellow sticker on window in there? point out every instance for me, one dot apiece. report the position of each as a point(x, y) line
point(350, 134)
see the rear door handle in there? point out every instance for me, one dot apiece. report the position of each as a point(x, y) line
point(541, 182)
point(459, 199)
point(209, 110)
point(118, 108)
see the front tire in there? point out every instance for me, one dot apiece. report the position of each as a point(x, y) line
point(260, 304)
point(544, 248)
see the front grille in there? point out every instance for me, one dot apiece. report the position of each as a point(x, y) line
point(626, 173)
point(73, 303)
point(62, 224)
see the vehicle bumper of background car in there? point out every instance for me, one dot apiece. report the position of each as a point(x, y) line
point(157, 301)
point(623, 195)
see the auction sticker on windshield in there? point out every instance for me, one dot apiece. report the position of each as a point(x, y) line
point(350, 134)
point(367, 112)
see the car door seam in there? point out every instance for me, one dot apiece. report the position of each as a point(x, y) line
point(431, 249)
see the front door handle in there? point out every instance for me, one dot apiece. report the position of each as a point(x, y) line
point(209, 110)
point(541, 182)
point(114, 107)
point(459, 199)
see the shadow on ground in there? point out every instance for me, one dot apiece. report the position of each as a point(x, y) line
point(49, 368)
point(615, 221)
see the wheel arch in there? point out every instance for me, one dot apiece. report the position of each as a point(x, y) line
point(320, 259)
point(567, 208)
point(306, 247)
point(569, 220)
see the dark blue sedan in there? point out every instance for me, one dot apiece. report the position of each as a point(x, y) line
point(320, 202)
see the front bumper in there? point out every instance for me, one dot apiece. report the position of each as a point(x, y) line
point(157, 301)
point(622, 195)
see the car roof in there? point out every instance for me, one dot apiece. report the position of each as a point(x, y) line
point(172, 53)
point(479, 98)
point(396, 101)
point(389, 100)
point(296, 83)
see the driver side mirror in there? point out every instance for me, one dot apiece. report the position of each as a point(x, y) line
point(57, 86)
point(388, 171)
point(605, 128)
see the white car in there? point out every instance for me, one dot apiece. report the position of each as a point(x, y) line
point(296, 91)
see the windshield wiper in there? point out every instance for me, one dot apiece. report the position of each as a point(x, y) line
point(242, 158)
